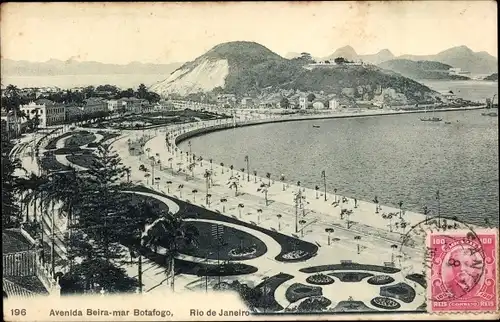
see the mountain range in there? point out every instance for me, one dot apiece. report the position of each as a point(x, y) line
point(458, 57)
point(248, 68)
point(55, 67)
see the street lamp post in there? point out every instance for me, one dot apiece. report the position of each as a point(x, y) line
point(323, 175)
point(248, 168)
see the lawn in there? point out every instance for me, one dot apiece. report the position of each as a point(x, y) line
point(49, 162)
point(350, 267)
point(79, 138)
point(52, 143)
point(230, 239)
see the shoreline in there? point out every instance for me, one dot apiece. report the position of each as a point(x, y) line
point(280, 118)
point(183, 134)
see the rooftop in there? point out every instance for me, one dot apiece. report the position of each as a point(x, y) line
point(14, 241)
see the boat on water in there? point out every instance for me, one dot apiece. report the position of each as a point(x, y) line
point(490, 114)
point(432, 118)
point(316, 126)
point(447, 122)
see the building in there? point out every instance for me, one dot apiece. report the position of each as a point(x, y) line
point(333, 104)
point(112, 105)
point(318, 105)
point(302, 102)
point(24, 274)
point(94, 106)
point(132, 104)
point(247, 102)
point(48, 112)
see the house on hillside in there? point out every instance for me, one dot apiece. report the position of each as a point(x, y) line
point(303, 102)
point(333, 104)
point(247, 102)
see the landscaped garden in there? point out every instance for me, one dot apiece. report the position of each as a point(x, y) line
point(231, 244)
point(159, 118)
point(288, 244)
point(351, 267)
point(380, 280)
point(351, 277)
point(400, 291)
point(78, 139)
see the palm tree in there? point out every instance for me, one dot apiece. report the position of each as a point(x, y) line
point(259, 212)
point(400, 203)
point(329, 231)
point(255, 175)
point(194, 191)
point(222, 167)
point(231, 167)
point(302, 222)
point(389, 216)
point(147, 175)
point(171, 233)
point(282, 179)
point(233, 183)
point(375, 200)
point(211, 165)
point(268, 175)
point(168, 185)
point(358, 238)
point(148, 150)
point(426, 213)
point(279, 221)
point(223, 200)
point(180, 190)
point(240, 206)
point(317, 191)
point(128, 171)
point(393, 247)
point(335, 195)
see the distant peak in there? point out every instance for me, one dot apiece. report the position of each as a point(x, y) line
point(386, 52)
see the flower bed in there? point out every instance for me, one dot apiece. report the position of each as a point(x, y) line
point(385, 303)
point(320, 279)
point(314, 304)
point(299, 291)
point(380, 280)
point(245, 252)
point(400, 291)
point(79, 139)
point(295, 255)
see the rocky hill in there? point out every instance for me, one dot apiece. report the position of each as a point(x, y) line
point(423, 69)
point(248, 68)
point(492, 77)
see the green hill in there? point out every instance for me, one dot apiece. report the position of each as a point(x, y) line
point(422, 69)
point(251, 68)
point(492, 77)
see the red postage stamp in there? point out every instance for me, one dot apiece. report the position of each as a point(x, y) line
point(462, 271)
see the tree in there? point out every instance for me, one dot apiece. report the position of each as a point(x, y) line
point(329, 231)
point(311, 97)
point(172, 233)
point(279, 221)
point(340, 60)
point(358, 238)
point(284, 103)
point(142, 91)
point(240, 206)
point(10, 209)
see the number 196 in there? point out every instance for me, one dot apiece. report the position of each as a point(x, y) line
point(18, 311)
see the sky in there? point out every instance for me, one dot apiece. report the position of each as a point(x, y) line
point(177, 32)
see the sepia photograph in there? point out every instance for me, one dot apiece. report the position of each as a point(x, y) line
point(249, 160)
